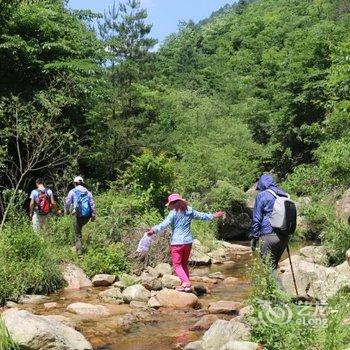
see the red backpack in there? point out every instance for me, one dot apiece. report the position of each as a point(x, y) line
point(44, 202)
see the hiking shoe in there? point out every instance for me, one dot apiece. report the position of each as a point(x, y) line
point(188, 289)
point(180, 288)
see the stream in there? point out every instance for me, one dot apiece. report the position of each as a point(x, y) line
point(134, 329)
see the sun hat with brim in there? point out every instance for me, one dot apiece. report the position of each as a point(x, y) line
point(174, 197)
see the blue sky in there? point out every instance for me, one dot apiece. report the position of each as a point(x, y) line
point(163, 14)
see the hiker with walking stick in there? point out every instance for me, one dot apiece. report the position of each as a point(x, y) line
point(274, 220)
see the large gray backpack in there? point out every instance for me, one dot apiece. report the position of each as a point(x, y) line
point(283, 218)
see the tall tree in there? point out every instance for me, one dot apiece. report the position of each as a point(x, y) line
point(128, 66)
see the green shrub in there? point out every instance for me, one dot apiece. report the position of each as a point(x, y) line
point(107, 259)
point(335, 334)
point(333, 162)
point(150, 177)
point(26, 263)
point(336, 236)
point(305, 180)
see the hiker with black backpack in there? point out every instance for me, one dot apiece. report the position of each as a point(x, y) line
point(83, 208)
point(274, 220)
point(41, 204)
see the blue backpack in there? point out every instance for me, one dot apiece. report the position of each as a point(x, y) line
point(83, 208)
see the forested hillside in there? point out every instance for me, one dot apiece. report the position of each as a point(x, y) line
point(260, 86)
point(256, 87)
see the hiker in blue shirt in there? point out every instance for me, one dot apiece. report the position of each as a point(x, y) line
point(83, 207)
point(272, 243)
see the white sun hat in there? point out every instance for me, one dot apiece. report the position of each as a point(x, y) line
point(78, 179)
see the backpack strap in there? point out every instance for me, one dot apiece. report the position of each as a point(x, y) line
point(275, 194)
point(272, 192)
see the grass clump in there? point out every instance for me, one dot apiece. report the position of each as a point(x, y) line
point(6, 342)
point(26, 263)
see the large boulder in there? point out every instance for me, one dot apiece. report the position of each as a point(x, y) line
point(75, 277)
point(173, 298)
point(34, 332)
point(136, 292)
point(86, 309)
point(199, 254)
point(103, 280)
point(221, 332)
point(315, 254)
point(316, 281)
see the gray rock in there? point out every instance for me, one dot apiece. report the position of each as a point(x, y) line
point(40, 333)
point(150, 282)
point(170, 281)
point(152, 271)
point(196, 345)
point(199, 254)
point(239, 345)
point(136, 293)
point(228, 251)
point(163, 269)
point(225, 307)
point(113, 295)
point(86, 309)
point(221, 332)
point(316, 281)
point(246, 311)
point(120, 285)
point(11, 304)
point(204, 323)
point(74, 277)
point(217, 275)
point(103, 280)
point(154, 303)
point(62, 319)
point(315, 254)
point(139, 304)
point(33, 299)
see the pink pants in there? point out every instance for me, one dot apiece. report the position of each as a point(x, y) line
point(180, 254)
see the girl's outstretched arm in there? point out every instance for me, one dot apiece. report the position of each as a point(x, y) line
point(163, 225)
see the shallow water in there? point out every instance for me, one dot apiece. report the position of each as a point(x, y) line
point(151, 330)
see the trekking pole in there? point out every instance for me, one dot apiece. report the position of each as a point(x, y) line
point(291, 266)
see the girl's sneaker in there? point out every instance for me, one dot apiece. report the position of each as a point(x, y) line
point(188, 288)
point(180, 288)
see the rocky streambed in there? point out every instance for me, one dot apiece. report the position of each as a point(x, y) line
point(145, 312)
